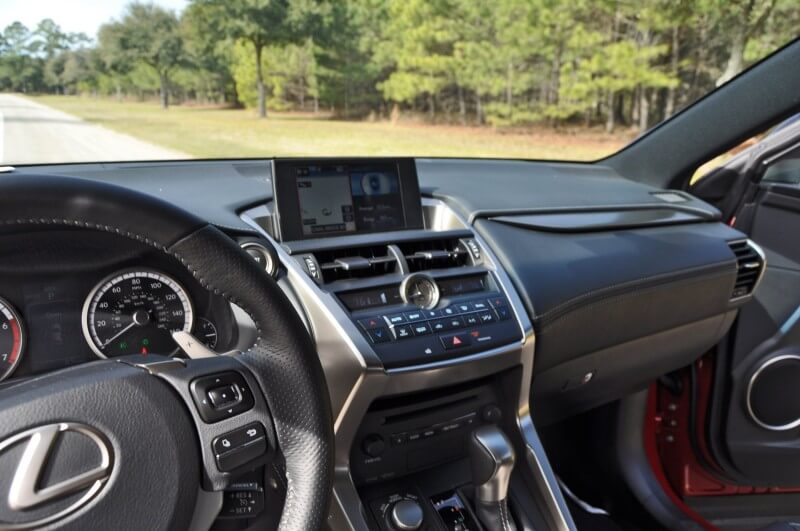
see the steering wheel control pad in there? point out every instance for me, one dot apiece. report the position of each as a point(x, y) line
point(193, 380)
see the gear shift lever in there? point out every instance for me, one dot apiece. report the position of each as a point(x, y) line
point(492, 458)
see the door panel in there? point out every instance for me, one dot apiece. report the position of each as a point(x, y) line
point(754, 426)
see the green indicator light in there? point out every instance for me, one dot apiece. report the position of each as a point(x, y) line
point(123, 345)
point(145, 342)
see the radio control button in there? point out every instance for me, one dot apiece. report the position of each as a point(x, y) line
point(373, 445)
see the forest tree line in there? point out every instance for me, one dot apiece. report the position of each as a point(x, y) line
point(609, 63)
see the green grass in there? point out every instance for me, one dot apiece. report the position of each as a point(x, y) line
point(225, 133)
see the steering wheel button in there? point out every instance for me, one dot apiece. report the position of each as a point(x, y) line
point(242, 455)
point(207, 393)
point(224, 396)
point(239, 438)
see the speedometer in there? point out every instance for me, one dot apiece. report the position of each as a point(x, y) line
point(135, 312)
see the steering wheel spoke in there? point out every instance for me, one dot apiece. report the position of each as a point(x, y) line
point(233, 424)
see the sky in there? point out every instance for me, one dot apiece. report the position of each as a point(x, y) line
point(72, 15)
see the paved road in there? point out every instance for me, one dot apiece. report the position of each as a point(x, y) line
point(34, 133)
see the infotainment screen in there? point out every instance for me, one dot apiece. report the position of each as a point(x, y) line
point(338, 197)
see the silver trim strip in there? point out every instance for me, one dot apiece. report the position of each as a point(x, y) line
point(784, 427)
point(356, 376)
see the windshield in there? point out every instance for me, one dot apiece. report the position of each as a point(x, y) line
point(83, 80)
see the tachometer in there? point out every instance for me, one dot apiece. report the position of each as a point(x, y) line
point(12, 339)
point(135, 312)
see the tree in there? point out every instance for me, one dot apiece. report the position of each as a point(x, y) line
point(259, 23)
point(209, 55)
point(20, 68)
point(742, 20)
point(148, 34)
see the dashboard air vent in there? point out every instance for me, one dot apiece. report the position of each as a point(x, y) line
point(425, 255)
point(750, 265)
point(359, 262)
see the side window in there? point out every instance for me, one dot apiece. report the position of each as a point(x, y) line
point(722, 159)
point(786, 169)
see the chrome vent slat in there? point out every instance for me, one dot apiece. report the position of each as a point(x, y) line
point(425, 255)
point(750, 266)
point(357, 262)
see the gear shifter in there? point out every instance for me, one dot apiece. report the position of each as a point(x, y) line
point(492, 458)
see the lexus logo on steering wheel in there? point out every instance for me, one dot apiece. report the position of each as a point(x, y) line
point(39, 454)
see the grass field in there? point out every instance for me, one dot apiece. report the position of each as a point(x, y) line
point(208, 132)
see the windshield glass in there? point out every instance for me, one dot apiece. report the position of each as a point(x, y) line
point(83, 80)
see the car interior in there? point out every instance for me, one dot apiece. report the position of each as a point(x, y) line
point(400, 343)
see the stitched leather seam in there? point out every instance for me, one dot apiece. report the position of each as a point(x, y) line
point(504, 515)
point(634, 285)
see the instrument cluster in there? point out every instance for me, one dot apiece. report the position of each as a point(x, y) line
point(133, 310)
point(73, 296)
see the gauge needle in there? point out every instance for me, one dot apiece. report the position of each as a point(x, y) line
point(133, 323)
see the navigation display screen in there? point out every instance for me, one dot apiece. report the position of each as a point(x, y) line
point(320, 198)
point(345, 199)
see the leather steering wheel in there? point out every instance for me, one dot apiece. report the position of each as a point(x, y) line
point(155, 451)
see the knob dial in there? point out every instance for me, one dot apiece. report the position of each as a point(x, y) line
point(407, 515)
point(373, 445)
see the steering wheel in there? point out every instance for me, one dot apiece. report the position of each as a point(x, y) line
point(126, 444)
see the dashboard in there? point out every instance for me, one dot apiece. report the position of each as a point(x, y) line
point(441, 294)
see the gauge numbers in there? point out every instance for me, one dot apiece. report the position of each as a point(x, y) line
point(135, 312)
point(12, 339)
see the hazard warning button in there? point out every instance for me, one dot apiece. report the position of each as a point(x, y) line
point(451, 341)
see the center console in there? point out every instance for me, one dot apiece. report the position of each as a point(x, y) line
point(427, 350)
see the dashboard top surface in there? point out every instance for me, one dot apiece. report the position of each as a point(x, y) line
point(472, 187)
